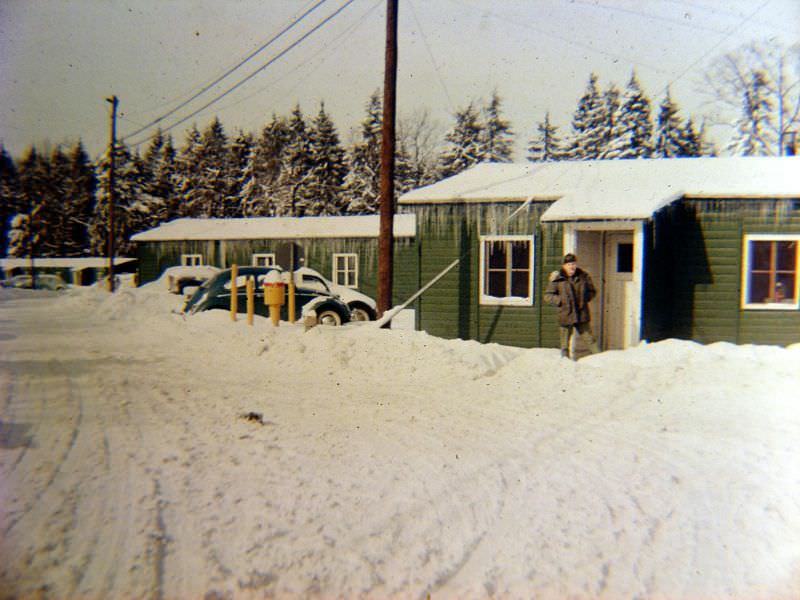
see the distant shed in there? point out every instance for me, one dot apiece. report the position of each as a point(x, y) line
point(73, 270)
point(342, 248)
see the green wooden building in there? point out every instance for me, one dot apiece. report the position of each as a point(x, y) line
point(703, 249)
point(342, 248)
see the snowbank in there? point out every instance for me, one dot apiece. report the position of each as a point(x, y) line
point(191, 457)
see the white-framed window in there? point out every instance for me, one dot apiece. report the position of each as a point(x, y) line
point(771, 272)
point(263, 260)
point(191, 260)
point(345, 270)
point(506, 263)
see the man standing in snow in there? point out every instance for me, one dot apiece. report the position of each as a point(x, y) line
point(570, 290)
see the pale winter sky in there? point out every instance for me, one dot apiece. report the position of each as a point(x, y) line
point(59, 60)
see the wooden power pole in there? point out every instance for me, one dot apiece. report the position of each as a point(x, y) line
point(386, 233)
point(111, 190)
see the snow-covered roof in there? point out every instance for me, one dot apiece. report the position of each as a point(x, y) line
point(63, 263)
point(616, 189)
point(351, 226)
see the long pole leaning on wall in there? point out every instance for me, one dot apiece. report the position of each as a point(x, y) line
point(386, 233)
point(111, 190)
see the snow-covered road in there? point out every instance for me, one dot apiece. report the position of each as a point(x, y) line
point(384, 464)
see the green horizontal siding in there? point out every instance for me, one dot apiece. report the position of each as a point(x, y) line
point(694, 272)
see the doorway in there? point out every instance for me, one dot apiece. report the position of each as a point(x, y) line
point(610, 258)
point(618, 297)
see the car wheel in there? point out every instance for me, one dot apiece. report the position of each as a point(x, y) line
point(329, 316)
point(359, 314)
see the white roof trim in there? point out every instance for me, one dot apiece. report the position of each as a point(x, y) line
point(615, 189)
point(349, 226)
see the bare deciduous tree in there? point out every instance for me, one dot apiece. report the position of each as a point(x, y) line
point(756, 90)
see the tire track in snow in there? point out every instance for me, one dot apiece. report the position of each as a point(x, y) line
point(57, 373)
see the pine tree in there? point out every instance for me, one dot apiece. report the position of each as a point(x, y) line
point(755, 134)
point(239, 169)
point(589, 124)
point(186, 177)
point(33, 195)
point(9, 197)
point(546, 146)
point(328, 168)
point(362, 183)
point(130, 214)
point(497, 136)
point(670, 139)
point(291, 188)
point(80, 189)
point(632, 131)
point(212, 171)
point(464, 144)
point(267, 164)
point(54, 219)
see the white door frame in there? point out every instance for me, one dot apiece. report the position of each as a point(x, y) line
point(634, 325)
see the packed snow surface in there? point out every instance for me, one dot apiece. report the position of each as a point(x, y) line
point(147, 455)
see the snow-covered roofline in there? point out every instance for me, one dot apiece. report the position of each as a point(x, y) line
point(348, 226)
point(615, 189)
point(76, 263)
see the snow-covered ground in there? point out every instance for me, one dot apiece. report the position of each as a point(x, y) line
point(382, 464)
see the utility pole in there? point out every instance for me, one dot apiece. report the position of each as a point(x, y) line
point(111, 190)
point(386, 233)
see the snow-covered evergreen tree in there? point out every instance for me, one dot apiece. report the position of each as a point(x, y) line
point(756, 90)
point(325, 184)
point(362, 183)
point(267, 163)
point(754, 129)
point(186, 177)
point(130, 210)
point(34, 195)
point(632, 129)
point(212, 171)
point(80, 189)
point(496, 136)
point(546, 145)
point(239, 172)
point(9, 196)
point(670, 134)
point(291, 192)
point(464, 143)
point(589, 124)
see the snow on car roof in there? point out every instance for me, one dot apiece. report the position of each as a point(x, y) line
point(348, 226)
point(616, 189)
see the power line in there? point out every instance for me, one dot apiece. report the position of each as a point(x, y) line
point(336, 44)
point(257, 71)
point(228, 72)
point(432, 59)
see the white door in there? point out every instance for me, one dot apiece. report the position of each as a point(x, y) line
point(618, 300)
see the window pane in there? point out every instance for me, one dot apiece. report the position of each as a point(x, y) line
point(496, 284)
point(759, 288)
point(520, 255)
point(787, 255)
point(496, 251)
point(351, 279)
point(624, 258)
point(759, 255)
point(519, 284)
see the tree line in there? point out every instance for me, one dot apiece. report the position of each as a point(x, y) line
point(56, 203)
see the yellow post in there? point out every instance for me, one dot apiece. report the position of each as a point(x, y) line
point(291, 297)
point(250, 300)
point(234, 291)
point(274, 298)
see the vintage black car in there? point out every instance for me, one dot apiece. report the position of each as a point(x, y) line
point(216, 293)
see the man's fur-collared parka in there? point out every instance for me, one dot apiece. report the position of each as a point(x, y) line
point(571, 295)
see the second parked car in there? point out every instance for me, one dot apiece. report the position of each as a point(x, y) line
point(216, 294)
